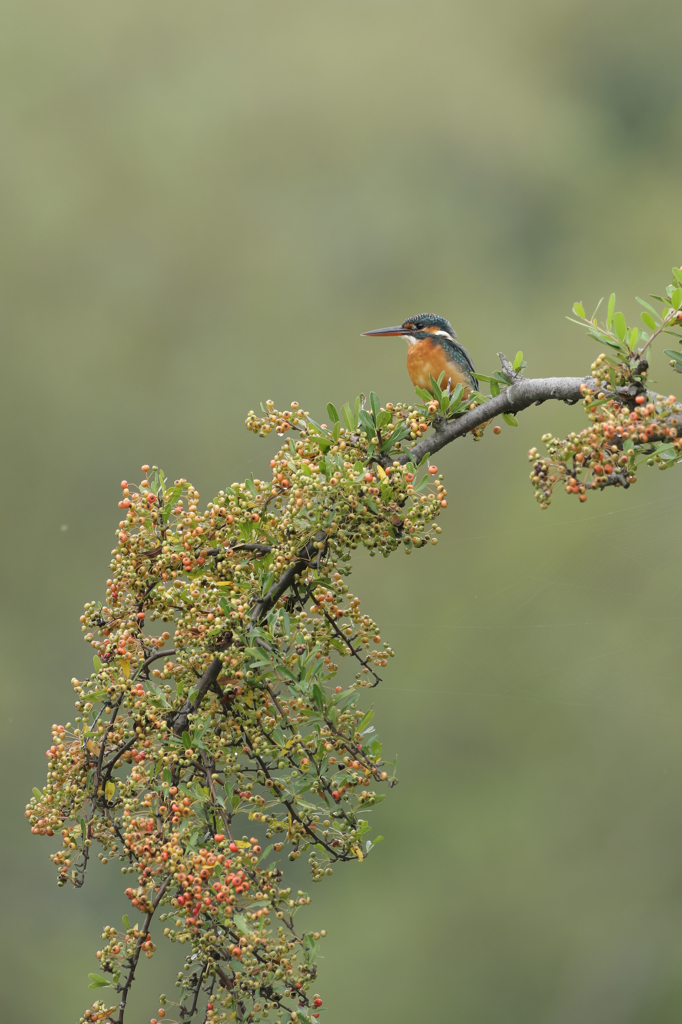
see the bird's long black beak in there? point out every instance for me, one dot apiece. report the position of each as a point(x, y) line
point(386, 332)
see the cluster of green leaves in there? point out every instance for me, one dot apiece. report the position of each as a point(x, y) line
point(631, 343)
point(174, 746)
point(629, 425)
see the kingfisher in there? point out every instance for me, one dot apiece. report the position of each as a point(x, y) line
point(433, 348)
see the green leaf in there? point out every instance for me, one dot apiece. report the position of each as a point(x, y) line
point(348, 417)
point(367, 423)
point(677, 274)
point(358, 403)
point(370, 504)
point(611, 307)
point(333, 414)
point(646, 305)
point(578, 309)
point(319, 429)
point(365, 721)
point(374, 405)
point(241, 923)
point(510, 419)
point(518, 359)
point(37, 794)
point(648, 320)
point(598, 336)
point(97, 663)
point(672, 354)
point(318, 696)
point(435, 384)
point(126, 922)
point(676, 298)
point(424, 394)
point(494, 388)
point(620, 325)
point(97, 981)
point(186, 740)
point(456, 395)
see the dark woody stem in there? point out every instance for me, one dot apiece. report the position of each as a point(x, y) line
point(520, 395)
point(136, 955)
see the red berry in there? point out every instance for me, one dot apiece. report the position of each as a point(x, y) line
point(369, 477)
point(233, 846)
point(218, 837)
point(433, 470)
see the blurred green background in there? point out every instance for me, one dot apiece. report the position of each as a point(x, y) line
point(203, 205)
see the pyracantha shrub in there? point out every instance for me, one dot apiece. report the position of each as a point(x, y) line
point(210, 742)
point(212, 700)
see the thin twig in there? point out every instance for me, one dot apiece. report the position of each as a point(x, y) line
point(136, 955)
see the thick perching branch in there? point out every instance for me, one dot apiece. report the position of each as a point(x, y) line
point(519, 396)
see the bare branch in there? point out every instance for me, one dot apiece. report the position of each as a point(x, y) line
point(155, 657)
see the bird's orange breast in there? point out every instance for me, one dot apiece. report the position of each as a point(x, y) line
point(425, 360)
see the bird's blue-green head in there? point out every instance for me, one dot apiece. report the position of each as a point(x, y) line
point(423, 325)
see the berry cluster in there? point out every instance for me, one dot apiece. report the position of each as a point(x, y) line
point(212, 702)
point(629, 424)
